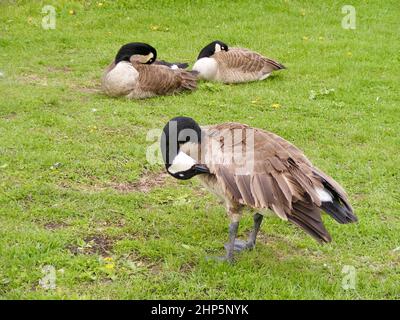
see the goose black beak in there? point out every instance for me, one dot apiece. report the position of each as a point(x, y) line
point(201, 168)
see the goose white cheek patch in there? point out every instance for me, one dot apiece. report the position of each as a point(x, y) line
point(323, 195)
point(182, 162)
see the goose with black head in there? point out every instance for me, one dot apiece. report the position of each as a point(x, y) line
point(218, 62)
point(252, 168)
point(136, 74)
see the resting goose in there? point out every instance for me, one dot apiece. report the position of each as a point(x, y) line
point(218, 62)
point(135, 73)
point(250, 167)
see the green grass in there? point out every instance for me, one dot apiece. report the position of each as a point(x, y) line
point(111, 233)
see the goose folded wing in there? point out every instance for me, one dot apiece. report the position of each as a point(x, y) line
point(247, 61)
point(272, 174)
point(158, 79)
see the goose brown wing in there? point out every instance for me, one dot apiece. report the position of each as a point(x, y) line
point(275, 174)
point(245, 60)
point(162, 80)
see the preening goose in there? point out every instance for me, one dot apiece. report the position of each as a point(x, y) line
point(135, 73)
point(218, 62)
point(250, 167)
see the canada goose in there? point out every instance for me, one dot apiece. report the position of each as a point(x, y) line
point(218, 62)
point(250, 167)
point(135, 73)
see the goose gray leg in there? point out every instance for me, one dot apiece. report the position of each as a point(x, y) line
point(230, 246)
point(257, 218)
point(234, 214)
point(240, 245)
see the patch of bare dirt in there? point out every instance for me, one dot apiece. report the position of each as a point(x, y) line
point(54, 225)
point(33, 79)
point(97, 244)
point(187, 267)
point(146, 182)
point(115, 222)
point(156, 269)
point(146, 263)
point(9, 116)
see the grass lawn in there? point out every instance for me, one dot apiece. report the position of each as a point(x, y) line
point(76, 191)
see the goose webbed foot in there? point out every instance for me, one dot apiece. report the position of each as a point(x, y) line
point(237, 245)
point(240, 245)
point(230, 246)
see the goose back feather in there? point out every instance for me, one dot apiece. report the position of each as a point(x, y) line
point(243, 65)
point(279, 178)
point(138, 81)
point(236, 65)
